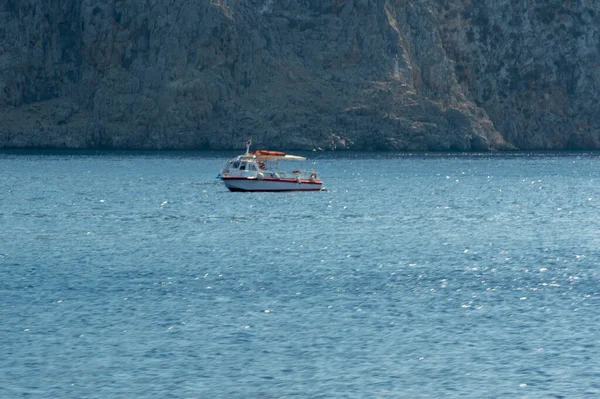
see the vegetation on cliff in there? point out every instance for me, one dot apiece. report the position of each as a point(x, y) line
point(301, 74)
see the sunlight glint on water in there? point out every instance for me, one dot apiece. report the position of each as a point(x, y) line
point(139, 275)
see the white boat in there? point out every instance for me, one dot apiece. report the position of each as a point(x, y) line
point(259, 171)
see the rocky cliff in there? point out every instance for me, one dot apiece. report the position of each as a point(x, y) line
point(300, 74)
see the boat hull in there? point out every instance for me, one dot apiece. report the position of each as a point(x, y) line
point(270, 185)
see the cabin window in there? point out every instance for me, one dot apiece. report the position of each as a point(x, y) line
point(251, 166)
point(243, 166)
point(236, 165)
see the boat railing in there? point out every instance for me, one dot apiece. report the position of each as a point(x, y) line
point(277, 174)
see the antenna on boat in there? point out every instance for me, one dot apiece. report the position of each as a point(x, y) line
point(248, 144)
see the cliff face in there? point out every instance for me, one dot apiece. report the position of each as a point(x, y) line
point(533, 66)
point(302, 74)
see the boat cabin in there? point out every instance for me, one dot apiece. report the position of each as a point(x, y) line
point(244, 166)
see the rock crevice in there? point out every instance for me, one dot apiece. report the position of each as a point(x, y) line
point(299, 74)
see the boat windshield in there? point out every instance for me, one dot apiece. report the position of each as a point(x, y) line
point(242, 165)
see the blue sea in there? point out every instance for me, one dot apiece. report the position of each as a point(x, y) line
point(138, 275)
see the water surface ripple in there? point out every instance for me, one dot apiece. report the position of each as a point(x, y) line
point(139, 275)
